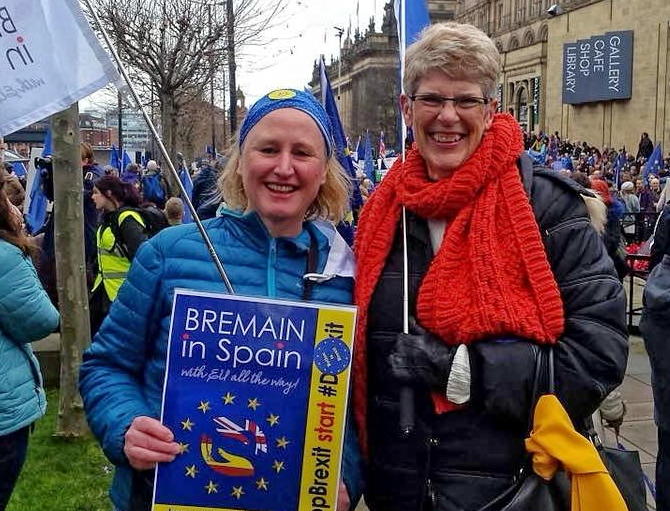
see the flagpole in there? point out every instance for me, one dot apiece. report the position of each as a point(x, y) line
point(163, 150)
point(406, 393)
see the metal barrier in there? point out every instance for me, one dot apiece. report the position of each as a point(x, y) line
point(638, 227)
point(633, 311)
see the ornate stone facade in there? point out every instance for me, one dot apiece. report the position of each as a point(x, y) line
point(366, 79)
point(521, 33)
point(531, 43)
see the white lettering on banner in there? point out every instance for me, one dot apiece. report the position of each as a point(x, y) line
point(570, 68)
point(614, 73)
point(585, 59)
point(599, 56)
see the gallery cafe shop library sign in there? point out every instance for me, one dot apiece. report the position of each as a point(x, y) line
point(256, 396)
point(599, 68)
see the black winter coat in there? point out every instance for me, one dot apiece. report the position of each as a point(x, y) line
point(655, 322)
point(463, 459)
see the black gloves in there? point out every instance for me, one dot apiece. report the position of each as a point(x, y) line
point(421, 358)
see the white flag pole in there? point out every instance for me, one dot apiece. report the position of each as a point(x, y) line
point(163, 150)
point(406, 393)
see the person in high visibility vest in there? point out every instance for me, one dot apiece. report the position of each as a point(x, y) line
point(118, 237)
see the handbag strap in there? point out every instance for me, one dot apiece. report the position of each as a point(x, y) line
point(544, 380)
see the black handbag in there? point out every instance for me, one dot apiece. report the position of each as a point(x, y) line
point(533, 493)
point(626, 471)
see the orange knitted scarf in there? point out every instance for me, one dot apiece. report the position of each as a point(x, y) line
point(490, 277)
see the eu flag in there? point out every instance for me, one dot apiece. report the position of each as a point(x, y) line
point(415, 15)
point(37, 205)
point(126, 160)
point(343, 155)
point(186, 180)
point(369, 165)
point(654, 163)
point(114, 158)
point(618, 167)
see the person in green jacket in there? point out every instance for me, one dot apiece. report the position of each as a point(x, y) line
point(118, 237)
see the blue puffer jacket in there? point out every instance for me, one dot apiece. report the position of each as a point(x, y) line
point(122, 374)
point(26, 315)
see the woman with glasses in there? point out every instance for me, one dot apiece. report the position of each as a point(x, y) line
point(501, 257)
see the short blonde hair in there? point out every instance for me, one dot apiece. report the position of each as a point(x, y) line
point(462, 52)
point(331, 202)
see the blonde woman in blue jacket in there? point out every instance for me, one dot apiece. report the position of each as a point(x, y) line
point(26, 315)
point(281, 182)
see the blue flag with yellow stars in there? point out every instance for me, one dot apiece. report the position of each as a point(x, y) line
point(256, 396)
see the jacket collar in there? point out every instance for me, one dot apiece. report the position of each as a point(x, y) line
point(340, 259)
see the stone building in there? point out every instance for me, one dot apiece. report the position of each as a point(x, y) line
point(531, 41)
point(365, 78)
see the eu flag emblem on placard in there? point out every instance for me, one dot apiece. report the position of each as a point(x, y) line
point(255, 390)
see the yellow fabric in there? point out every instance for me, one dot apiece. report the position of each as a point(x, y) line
point(112, 265)
point(555, 443)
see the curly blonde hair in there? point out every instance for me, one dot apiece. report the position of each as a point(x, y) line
point(331, 203)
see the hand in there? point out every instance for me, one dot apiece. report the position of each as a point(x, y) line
point(343, 502)
point(421, 358)
point(148, 442)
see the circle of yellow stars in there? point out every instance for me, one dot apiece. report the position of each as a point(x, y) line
point(237, 491)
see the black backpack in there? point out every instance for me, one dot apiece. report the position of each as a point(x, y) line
point(154, 222)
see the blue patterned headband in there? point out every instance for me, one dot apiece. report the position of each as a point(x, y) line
point(289, 98)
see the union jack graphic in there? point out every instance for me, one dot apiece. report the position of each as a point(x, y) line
point(230, 429)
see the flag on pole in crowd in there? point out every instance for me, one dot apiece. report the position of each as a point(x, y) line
point(114, 160)
point(186, 180)
point(360, 150)
point(357, 149)
point(57, 61)
point(412, 18)
point(48, 143)
point(618, 167)
point(126, 161)
point(343, 153)
point(654, 163)
point(37, 201)
point(382, 146)
point(369, 165)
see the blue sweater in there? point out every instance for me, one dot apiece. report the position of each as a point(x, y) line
point(123, 370)
point(26, 315)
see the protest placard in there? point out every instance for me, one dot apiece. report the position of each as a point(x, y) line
point(256, 395)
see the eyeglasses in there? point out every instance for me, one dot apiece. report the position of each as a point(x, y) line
point(436, 102)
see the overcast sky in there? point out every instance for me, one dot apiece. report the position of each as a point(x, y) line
point(299, 40)
point(286, 60)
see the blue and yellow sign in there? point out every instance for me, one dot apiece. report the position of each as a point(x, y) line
point(256, 396)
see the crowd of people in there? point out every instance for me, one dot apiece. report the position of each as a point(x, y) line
point(481, 280)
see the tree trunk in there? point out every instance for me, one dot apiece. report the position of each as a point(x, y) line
point(169, 124)
point(70, 268)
